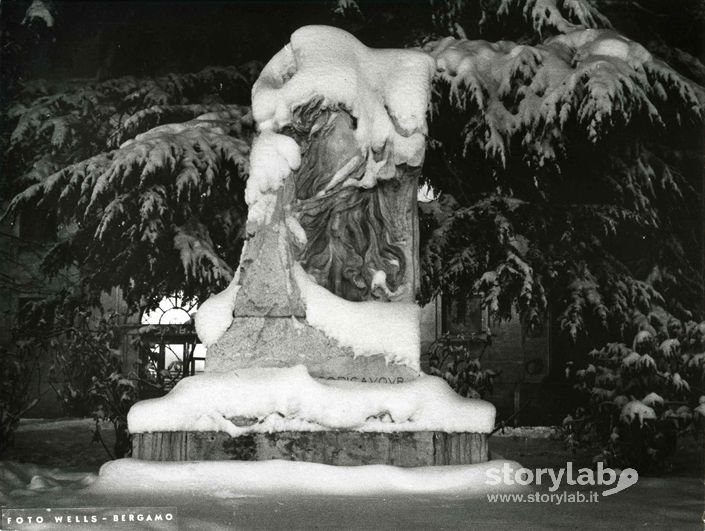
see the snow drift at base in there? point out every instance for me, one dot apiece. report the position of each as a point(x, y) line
point(237, 478)
point(249, 500)
point(289, 399)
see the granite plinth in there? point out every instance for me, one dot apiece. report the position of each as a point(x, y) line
point(343, 448)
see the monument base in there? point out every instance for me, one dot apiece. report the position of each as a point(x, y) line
point(343, 448)
point(255, 342)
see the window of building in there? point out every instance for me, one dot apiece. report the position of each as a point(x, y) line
point(171, 310)
point(173, 350)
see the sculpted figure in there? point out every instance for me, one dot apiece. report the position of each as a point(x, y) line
point(354, 247)
point(332, 224)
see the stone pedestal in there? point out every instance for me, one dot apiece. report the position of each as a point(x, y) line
point(327, 279)
point(344, 448)
point(286, 341)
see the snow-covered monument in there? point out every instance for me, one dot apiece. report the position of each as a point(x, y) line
point(313, 350)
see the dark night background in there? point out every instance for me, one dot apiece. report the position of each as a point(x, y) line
point(108, 39)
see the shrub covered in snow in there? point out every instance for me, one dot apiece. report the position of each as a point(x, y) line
point(460, 366)
point(638, 399)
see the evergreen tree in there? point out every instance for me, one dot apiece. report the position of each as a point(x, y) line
point(566, 159)
point(166, 193)
point(558, 184)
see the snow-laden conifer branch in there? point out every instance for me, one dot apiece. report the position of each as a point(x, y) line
point(183, 157)
point(480, 246)
point(199, 258)
point(572, 130)
point(146, 119)
point(527, 95)
point(525, 20)
point(60, 123)
point(549, 17)
point(175, 192)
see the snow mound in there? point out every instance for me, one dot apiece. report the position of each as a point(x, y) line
point(27, 479)
point(369, 327)
point(272, 159)
point(377, 86)
point(231, 478)
point(215, 315)
point(289, 399)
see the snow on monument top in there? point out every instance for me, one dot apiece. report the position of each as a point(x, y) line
point(386, 91)
point(377, 86)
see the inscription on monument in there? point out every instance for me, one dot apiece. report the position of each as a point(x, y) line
point(369, 379)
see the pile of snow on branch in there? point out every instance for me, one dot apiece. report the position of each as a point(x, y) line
point(289, 399)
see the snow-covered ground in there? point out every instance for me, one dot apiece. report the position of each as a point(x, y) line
point(326, 498)
point(653, 503)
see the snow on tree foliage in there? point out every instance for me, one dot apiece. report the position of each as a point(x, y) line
point(556, 16)
point(198, 256)
point(545, 157)
point(149, 190)
point(596, 77)
point(151, 117)
point(172, 192)
point(60, 123)
point(345, 7)
point(524, 20)
point(637, 400)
